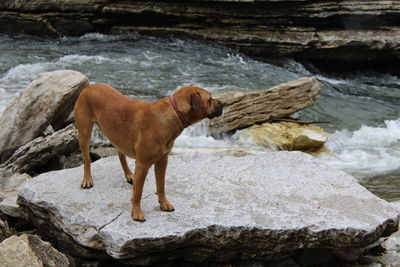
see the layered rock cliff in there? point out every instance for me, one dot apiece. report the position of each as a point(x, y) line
point(361, 33)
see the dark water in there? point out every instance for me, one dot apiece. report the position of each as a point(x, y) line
point(363, 107)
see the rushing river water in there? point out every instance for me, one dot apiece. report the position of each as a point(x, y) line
point(364, 108)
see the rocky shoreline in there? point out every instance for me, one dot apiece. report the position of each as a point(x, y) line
point(335, 36)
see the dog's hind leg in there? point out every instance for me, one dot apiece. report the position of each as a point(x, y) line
point(129, 175)
point(84, 123)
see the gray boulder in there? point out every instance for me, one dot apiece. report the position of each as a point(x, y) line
point(30, 250)
point(229, 204)
point(48, 100)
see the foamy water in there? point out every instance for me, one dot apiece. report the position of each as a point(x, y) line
point(368, 151)
point(364, 108)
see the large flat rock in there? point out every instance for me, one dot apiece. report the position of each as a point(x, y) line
point(228, 205)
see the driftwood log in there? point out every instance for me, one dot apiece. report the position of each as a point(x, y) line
point(246, 109)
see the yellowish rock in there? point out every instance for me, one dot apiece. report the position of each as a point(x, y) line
point(306, 136)
point(288, 136)
point(270, 135)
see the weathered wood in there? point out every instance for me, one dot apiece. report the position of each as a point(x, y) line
point(244, 110)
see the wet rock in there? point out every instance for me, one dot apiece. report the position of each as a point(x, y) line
point(40, 151)
point(228, 205)
point(285, 136)
point(9, 183)
point(30, 250)
point(245, 109)
point(48, 100)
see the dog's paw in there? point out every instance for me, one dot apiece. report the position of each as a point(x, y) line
point(129, 178)
point(87, 183)
point(166, 206)
point(138, 216)
point(88, 186)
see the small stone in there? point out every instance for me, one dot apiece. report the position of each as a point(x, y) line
point(49, 130)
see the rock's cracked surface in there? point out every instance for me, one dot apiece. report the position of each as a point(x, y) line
point(228, 205)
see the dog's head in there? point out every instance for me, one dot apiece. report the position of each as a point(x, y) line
point(197, 103)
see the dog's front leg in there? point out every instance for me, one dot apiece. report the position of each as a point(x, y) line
point(160, 169)
point(141, 170)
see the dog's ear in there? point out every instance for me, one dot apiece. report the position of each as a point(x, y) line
point(195, 101)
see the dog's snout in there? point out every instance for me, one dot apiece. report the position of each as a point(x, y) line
point(223, 104)
point(217, 110)
point(221, 107)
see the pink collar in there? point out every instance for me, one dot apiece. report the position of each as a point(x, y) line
point(178, 112)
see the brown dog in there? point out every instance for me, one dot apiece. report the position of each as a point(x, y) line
point(140, 130)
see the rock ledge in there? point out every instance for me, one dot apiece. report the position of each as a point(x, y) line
point(338, 35)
